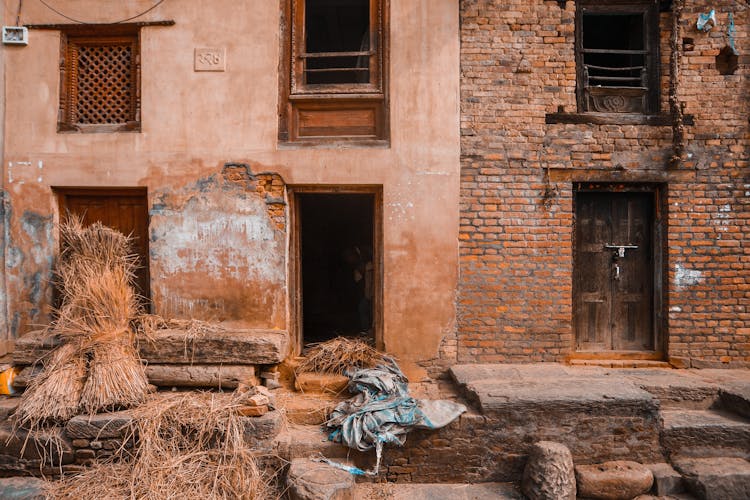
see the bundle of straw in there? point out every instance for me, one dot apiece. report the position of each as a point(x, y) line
point(97, 368)
point(338, 355)
point(190, 445)
point(56, 392)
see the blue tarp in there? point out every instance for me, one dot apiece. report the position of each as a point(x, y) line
point(382, 411)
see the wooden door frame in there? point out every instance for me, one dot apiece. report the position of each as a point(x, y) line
point(294, 261)
point(658, 257)
point(63, 192)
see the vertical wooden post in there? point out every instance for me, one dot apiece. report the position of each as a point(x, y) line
point(675, 106)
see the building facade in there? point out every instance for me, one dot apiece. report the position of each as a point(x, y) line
point(598, 220)
point(248, 147)
point(521, 181)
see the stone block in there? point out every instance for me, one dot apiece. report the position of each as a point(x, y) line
point(309, 480)
point(549, 473)
point(263, 427)
point(616, 480)
point(667, 481)
point(22, 488)
point(99, 426)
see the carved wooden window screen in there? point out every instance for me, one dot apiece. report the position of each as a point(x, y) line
point(617, 56)
point(100, 83)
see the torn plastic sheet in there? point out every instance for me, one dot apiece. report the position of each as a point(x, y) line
point(706, 21)
point(382, 411)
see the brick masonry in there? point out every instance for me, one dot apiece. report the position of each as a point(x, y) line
point(518, 175)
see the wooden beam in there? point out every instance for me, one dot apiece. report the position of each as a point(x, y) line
point(104, 26)
point(657, 120)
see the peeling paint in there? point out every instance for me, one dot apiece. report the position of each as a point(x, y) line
point(218, 248)
point(686, 277)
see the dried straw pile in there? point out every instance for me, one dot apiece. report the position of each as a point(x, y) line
point(190, 445)
point(338, 355)
point(97, 367)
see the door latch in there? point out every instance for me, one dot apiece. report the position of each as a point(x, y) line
point(621, 249)
point(617, 272)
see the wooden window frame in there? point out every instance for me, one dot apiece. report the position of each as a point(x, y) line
point(650, 11)
point(333, 113)
point(72, 38)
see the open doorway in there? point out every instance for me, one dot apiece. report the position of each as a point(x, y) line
point(337, 265)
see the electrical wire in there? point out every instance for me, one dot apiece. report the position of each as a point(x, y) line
point(43, 2)
point(18, 13)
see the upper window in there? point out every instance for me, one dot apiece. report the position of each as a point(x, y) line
point(617, 56)
point(99, 82)
point(335, 66)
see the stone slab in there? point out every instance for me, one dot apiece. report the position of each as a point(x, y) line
point(33, 346)
point(717, 478)
point(207, 376)
point(22, 488)
point(230, 346)
point(99, 426)
point(705, 433)
point(18, 454)
point(400, 491)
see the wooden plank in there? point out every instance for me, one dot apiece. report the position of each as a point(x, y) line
point(234, 347)
point(655, 120)
point(240, 347)
point(206, 376)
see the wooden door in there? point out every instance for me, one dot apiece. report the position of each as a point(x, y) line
point(614, 272)
point(123, 210)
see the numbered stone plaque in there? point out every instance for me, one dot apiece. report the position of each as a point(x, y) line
point(211, 59)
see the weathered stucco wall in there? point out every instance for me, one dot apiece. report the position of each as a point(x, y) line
point(216, 250)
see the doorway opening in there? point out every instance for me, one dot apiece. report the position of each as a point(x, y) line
point(337, 265)
point(123, 209)
point(617, 270)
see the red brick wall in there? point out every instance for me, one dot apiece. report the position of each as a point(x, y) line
point(515, 292)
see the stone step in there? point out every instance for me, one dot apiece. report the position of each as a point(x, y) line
point(705, 433)
point(676, 388)
point(735, 397)
point(311, 480)
point(311, 441)
point(404, 491)
point(174, 347)
point(716, 478)
point(620, 363)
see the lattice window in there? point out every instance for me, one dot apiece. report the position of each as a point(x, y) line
point(100, 84)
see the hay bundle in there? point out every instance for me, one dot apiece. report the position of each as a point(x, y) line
point(97, 368)
point(56, 392)
point(190, 445)
point(339, 354)
point(116, 377)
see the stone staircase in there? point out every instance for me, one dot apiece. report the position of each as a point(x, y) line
point(707, 440)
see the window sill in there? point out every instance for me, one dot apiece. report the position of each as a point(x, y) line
point(655, 120)
point(333, 143)
point(67, 128)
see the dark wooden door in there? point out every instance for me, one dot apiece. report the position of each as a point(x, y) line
point(614, 272)
point(123, 210)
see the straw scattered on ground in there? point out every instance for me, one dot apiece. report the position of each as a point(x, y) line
point(189, 445)
point(339, 354)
